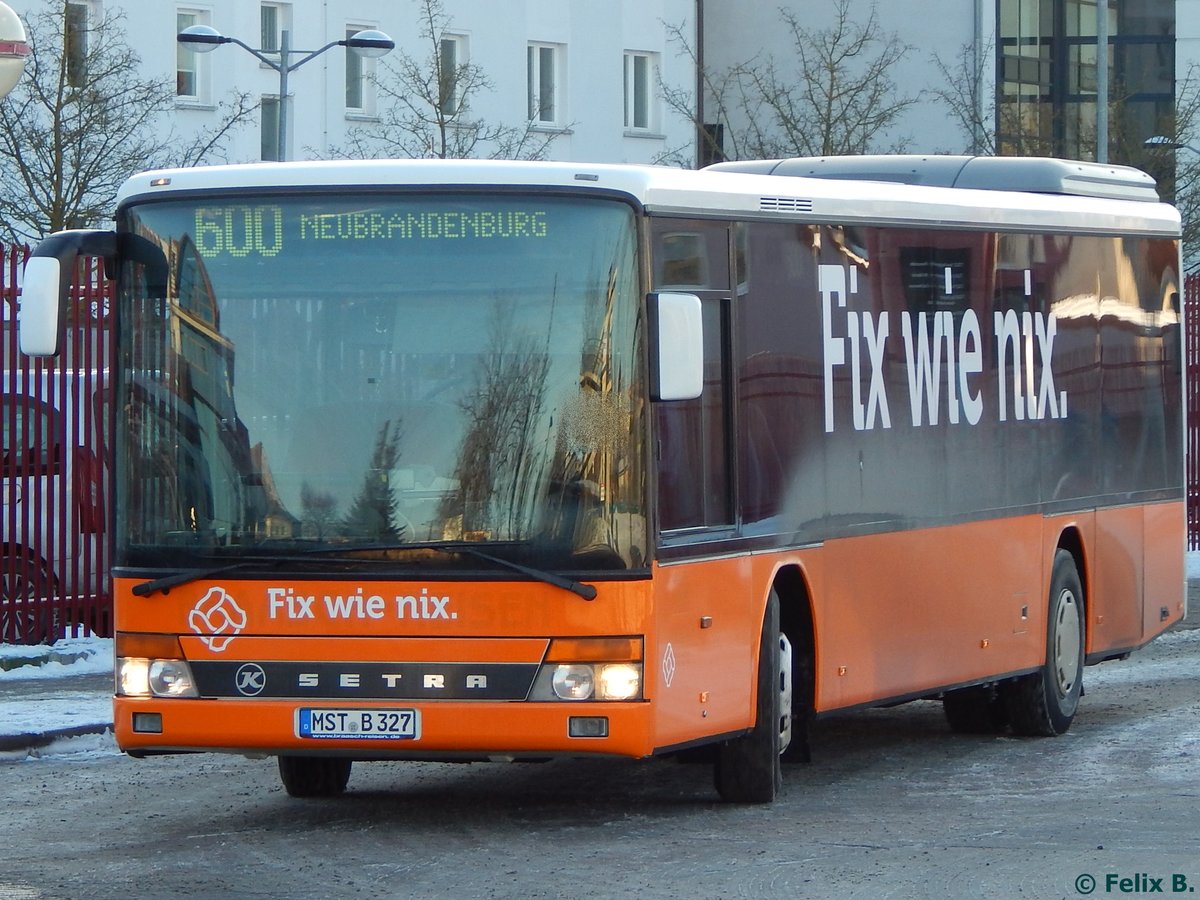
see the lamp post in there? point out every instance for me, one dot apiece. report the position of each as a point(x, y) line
point(1161, 142)
point(14, 49)
point(369, 44)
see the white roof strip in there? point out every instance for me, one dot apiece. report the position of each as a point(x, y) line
point(694, 193)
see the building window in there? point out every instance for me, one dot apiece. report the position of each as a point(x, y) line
point(189, 65)
point(452, 56)
point(640, 71)
point(270, 128)
point(75, 42)
point(276, 18)
point(545, 83)
point(355, 88)
point(712, 144)
point(1048, 68)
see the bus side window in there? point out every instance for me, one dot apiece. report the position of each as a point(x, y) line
point(692, 436)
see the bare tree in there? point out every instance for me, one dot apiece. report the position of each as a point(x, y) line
point(1178, 170)
point(963, 89)
point(834, 94)
point(83, 119)
point(499, 461)
point(425, 107)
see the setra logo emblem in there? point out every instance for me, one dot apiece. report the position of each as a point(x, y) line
point(217, 619)
point(250, 680)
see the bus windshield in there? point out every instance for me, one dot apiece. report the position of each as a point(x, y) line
point(344, 370)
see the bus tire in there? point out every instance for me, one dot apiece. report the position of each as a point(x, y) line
point(748, 769)
point(975, 710)
point(1044, 703)
point(314, 776)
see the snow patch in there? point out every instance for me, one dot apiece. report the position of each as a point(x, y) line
point(62, 659)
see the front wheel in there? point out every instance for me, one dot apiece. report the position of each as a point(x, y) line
point(314, 776)
point(1044, 703)
point(748, 768)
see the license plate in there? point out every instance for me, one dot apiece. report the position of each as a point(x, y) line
point(359, 724)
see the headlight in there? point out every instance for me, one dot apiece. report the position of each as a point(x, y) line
point(133, 677)
point(573, 682)
point(171, 678)
point(622, 681)
point(140, 677)
point(590, 681)
point(597, 669)
point(152, 665)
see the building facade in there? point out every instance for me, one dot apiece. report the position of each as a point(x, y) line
point(1029, 68)
point(590, 82)
point(584, 76)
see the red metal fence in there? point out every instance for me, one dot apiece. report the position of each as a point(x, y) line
point(55, 472)
point(1191, 331)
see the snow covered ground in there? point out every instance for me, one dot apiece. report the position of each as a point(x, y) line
point(72, 691)
point(70, 656)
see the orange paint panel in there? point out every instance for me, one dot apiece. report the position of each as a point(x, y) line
point(325, 649)
point(356, 608)
point(483, 728)
point(898, 614)
point(701, 679)
point(1116, 575)
point(1164, 573)
point(702, 663)
point(910, 611)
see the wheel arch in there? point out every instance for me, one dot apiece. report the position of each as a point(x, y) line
point(797, 621)
point(1071, 540)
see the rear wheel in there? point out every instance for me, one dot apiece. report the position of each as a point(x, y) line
point(748, 768)
point(1044, 702)
point(314, 776)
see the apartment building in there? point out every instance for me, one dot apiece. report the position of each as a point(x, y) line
point(585, 76)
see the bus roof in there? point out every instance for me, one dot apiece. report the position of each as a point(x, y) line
point(856, 191)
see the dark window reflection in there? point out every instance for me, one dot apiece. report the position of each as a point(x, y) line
point(350, 370)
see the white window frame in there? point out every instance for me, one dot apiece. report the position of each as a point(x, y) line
point(646, 92)
point(188, 61)
point(546, 66)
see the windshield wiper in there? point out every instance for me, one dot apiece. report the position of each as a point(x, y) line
point(175, 579)
point(469, 548)
point(186, 576)
point(166, 582)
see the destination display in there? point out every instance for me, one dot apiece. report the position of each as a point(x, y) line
point(266, 230)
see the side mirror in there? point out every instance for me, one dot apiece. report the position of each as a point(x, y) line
point(46, 287)
point(676, 332)
point(39, 317)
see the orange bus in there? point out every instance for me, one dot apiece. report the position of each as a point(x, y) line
point(463, 460)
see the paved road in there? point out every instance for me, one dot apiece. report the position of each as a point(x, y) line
point(895, 805)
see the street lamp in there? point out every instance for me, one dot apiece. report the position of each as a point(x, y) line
point(1160, 142)
point(369, 44)
point(14, 49)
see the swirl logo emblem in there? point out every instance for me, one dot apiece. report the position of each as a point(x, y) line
point(217, 619)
